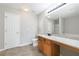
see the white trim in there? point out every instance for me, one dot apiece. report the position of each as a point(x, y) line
point(25, 44)
point(17, 46)
point(2, 49)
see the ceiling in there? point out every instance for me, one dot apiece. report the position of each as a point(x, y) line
point(35, 7)
point(40, 7)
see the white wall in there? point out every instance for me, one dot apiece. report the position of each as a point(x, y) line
point(41, 23)
point(1, 28)
point(28, 27)
point(45, 25)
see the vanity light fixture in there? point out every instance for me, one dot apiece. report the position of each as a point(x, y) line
point(57, 7)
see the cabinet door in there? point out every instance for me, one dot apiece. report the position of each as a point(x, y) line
point(48, 42)
point(47, 50)
point(56, 50)
point(40, 44)
point(51, 49)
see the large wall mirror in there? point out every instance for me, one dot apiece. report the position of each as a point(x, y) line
point(65, 20)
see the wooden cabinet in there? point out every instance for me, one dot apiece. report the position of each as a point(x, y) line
point(40, 44)
point(48, 47)
point(47, 50)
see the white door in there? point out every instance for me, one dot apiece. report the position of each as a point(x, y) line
point(12, 30)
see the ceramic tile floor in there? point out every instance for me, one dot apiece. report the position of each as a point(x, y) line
point(22, 51)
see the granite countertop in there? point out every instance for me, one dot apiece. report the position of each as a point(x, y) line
point(63, 39)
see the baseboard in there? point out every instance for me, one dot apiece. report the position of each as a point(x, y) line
point(2, 50)
point(25, 44)
point(18, 46)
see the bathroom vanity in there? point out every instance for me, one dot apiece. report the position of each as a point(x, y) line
point(64, 22)
point(50, 45)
